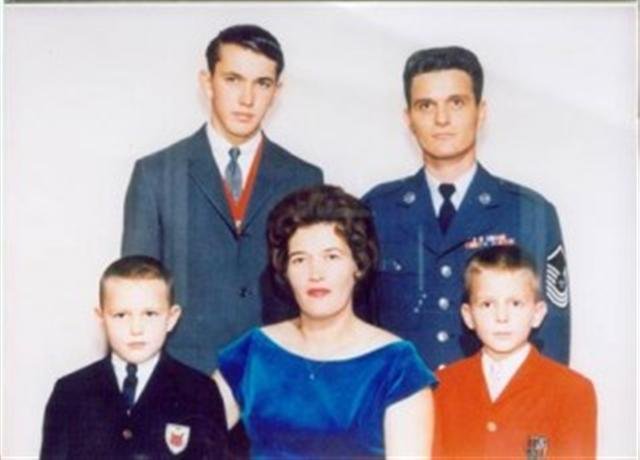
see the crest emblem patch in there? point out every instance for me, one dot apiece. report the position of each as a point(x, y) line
point(176, 437)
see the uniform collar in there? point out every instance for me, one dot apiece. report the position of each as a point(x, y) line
point(143, 373)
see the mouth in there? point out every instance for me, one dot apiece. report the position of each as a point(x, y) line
point(502, 335)
point(317, 292)
point(136, 345)
point(443, 136)
point(243, 116)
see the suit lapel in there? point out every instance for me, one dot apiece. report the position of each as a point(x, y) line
point(475, 215)
point(106, 385)
point(158, 380)
point(524, 376)
point(271, 173)
point(417, 214)
point(204, 171)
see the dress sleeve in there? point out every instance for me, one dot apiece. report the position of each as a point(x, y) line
point(408, 375)
point(232, 362)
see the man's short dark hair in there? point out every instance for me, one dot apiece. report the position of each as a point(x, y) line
point(503, 257)
point(248, 36)
point(447, 58)
point(138, 267)
point(317, 205)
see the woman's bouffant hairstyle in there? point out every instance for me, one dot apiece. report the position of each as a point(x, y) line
point(322, 204)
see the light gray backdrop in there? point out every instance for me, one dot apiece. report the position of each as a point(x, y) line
point(88, 89)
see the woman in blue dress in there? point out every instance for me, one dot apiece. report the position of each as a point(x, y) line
point(326, 384)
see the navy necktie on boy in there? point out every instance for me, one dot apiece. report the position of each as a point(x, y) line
point(447, 210)
point(129, 386)
point(233, 173)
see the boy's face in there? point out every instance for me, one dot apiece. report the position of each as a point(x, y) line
point(240, 90)
point(137, 317)
point(503, 309)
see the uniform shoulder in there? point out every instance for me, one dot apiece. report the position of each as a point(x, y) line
point(386, 190)
point(522, 191)
point(184, 373)
point(295, 160)
point(457, 371)
point(565, 377)
point(82, 377)
point(174, 151)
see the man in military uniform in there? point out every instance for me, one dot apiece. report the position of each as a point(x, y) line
point(429, 224)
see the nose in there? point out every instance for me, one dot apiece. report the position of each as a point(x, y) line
point(135, 326)
point(247, 95)
point(442, 115)
point(316, 270)
point(502, 313)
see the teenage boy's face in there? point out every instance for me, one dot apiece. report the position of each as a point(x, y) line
point(240, 90)
point(444, 115)
point(137, 317)
point(503, 309)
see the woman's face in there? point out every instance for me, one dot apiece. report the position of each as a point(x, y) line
point(321, 271)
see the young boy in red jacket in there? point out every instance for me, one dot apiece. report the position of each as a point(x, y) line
point(508, 400)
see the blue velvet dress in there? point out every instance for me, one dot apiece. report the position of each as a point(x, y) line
point(298, 408)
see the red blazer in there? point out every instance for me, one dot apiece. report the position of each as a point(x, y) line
point(543, 398)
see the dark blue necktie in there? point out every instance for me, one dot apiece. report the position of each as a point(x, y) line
point(129, 386)
point(233, 173)
point(447, 210)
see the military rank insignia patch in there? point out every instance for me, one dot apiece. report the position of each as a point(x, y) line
point(177, 437)
point(556, 283)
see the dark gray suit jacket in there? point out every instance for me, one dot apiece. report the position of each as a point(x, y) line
point(176, 211)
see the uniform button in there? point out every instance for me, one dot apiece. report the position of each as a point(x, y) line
point(445, 271)
point(244, 291)
point(441, 366)
point(396, 266)
point(443, 303)
point(442, 336)
point(127, 434)
point(416, 310)
point(492, 427)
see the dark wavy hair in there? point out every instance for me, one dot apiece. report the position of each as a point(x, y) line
point(446, 58)
point(247, 36)
point(322, 204)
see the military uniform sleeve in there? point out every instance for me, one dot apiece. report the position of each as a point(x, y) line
point(553, 338)
point(55, 432)
point(142, 230)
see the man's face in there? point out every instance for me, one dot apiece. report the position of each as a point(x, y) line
point(240, 90)
point(137, 317)
point(503, 309)
point(444, 115)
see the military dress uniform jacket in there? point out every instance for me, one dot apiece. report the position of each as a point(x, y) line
point(179, 414)
point(177, 212)
point(544, 399)
point(418, 286)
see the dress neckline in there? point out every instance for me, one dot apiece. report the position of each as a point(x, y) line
point(265, 338)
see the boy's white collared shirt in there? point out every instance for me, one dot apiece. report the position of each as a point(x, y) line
point(143, 374)
point(220, 148)
point(497, 374)
point(462, 185)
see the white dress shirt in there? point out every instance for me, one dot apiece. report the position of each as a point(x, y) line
point(497, 374)
point(220, 148)
point(143, 373)
point(461, 183)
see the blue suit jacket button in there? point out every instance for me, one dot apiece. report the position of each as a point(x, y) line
point(443, 303)
point(446, 271)
point(442, 336)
